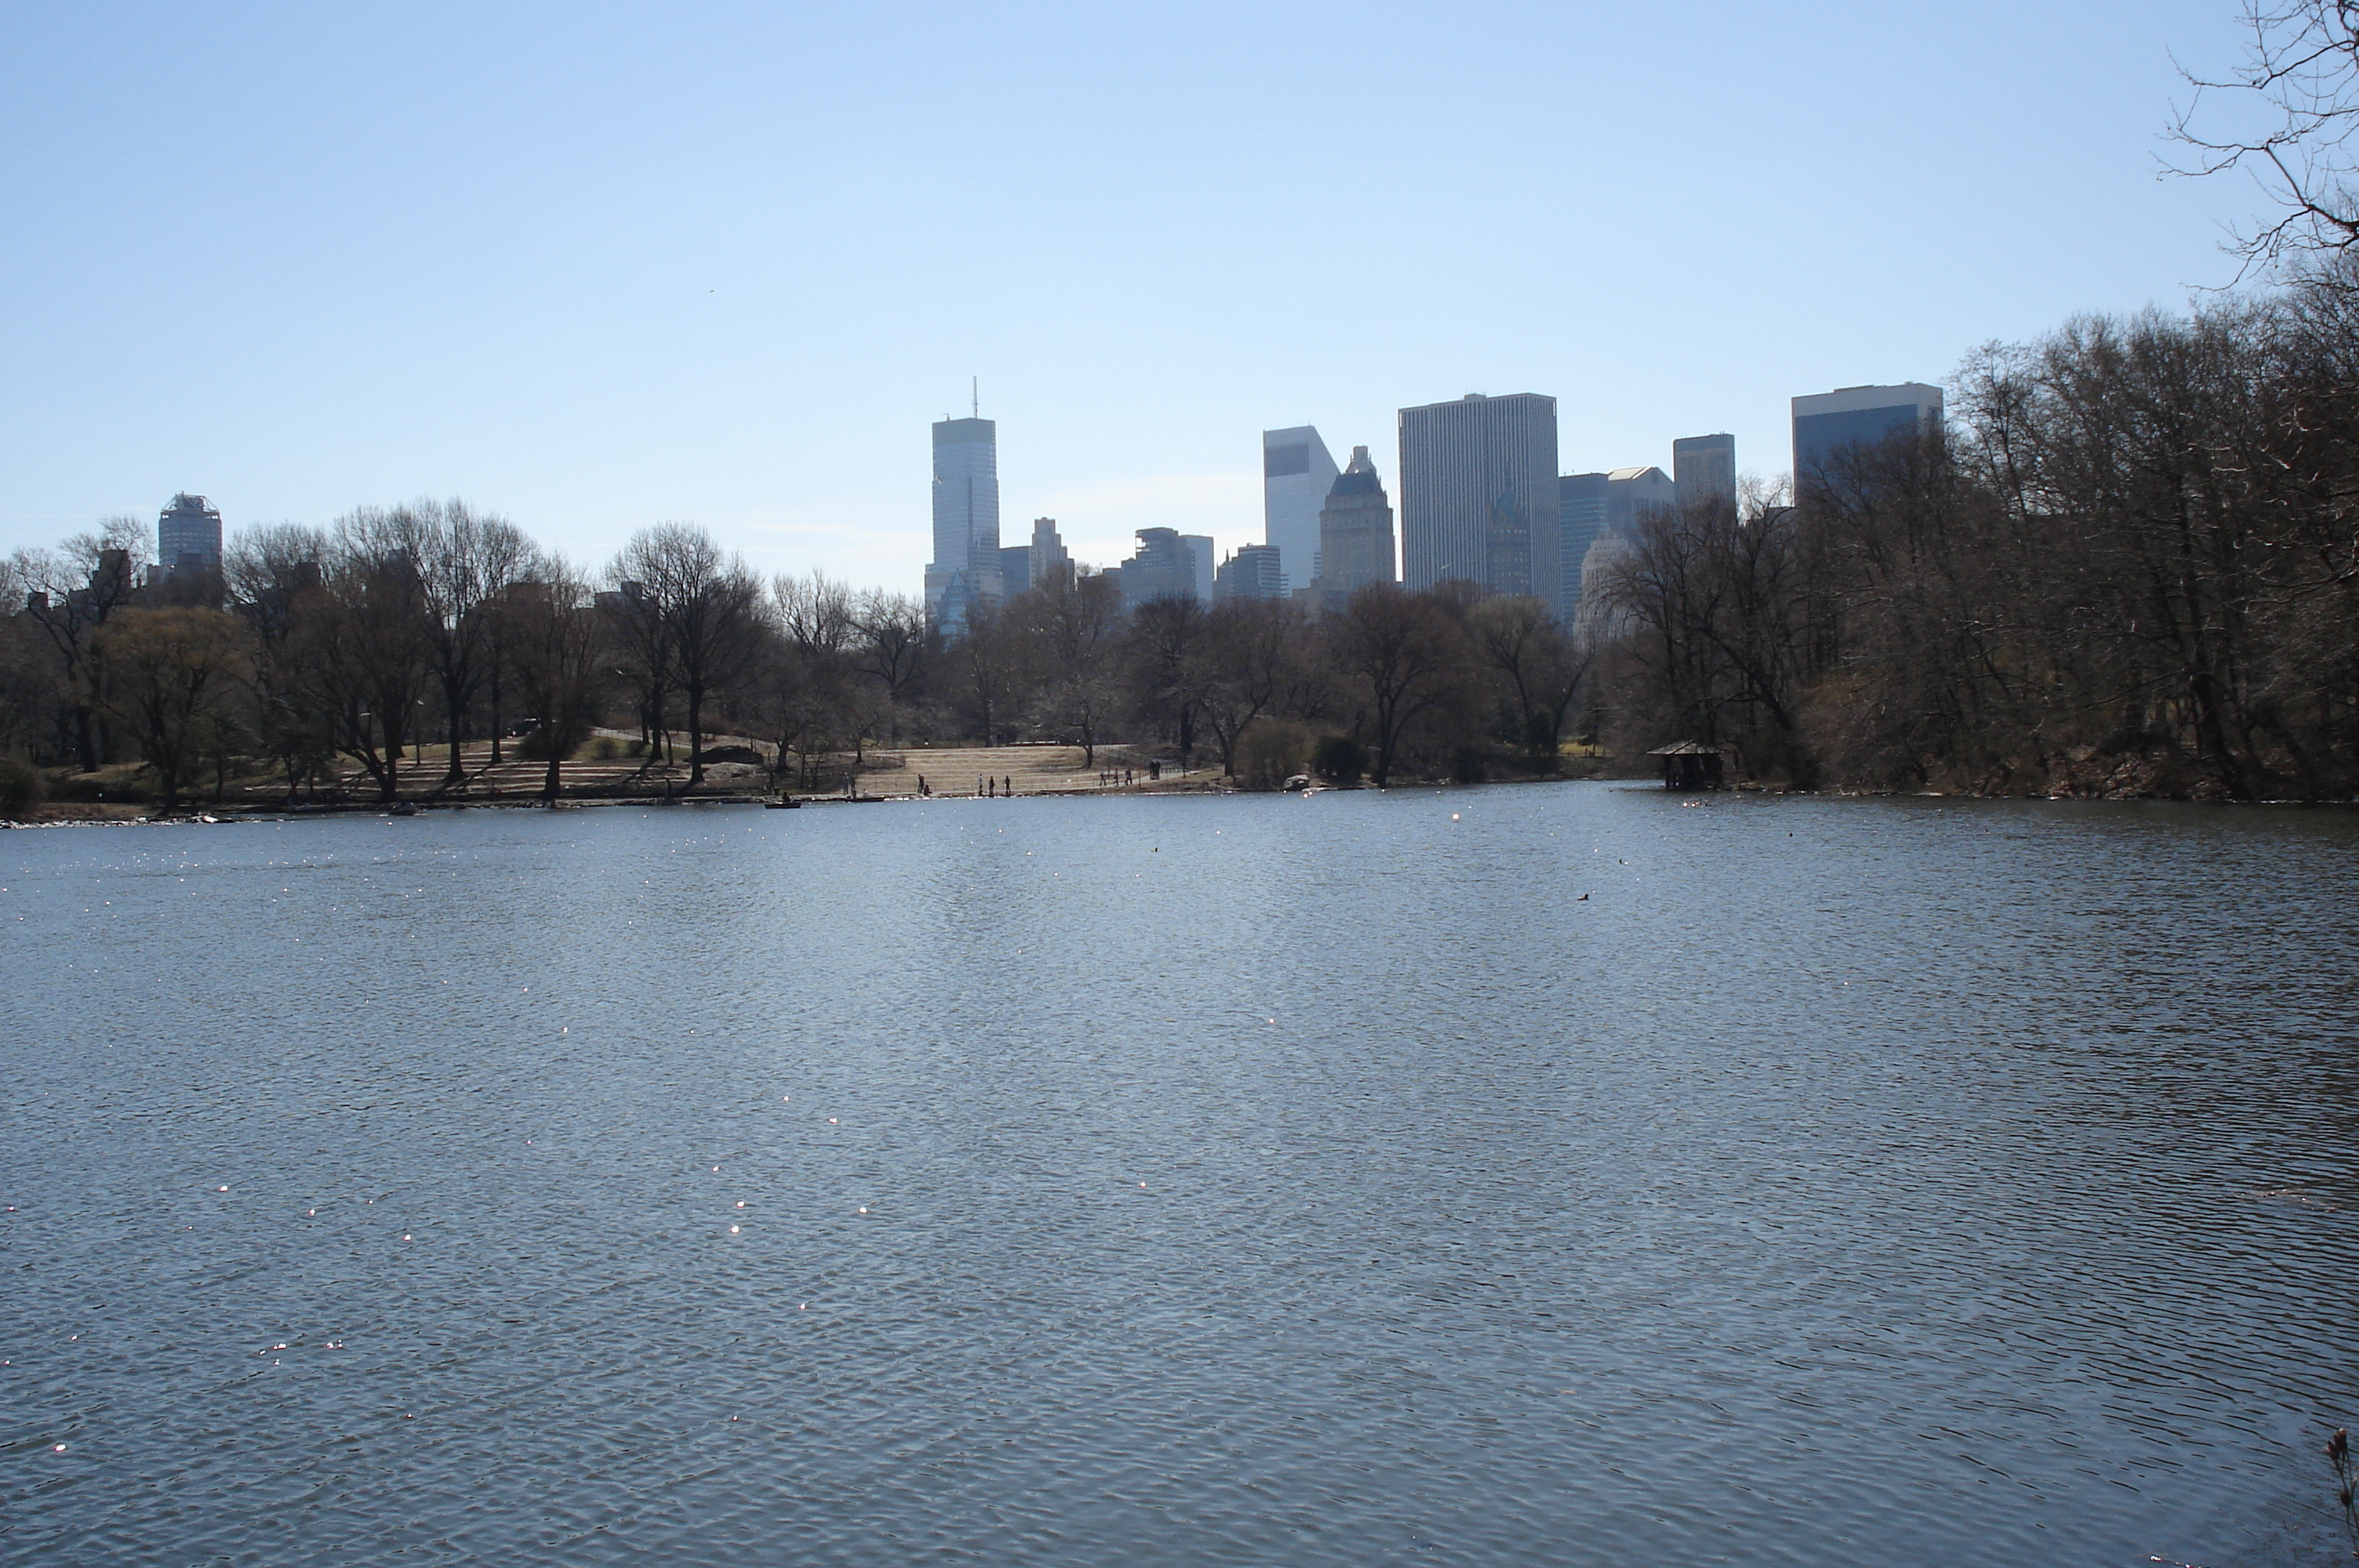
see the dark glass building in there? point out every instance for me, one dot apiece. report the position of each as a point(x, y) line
point(1826, 423)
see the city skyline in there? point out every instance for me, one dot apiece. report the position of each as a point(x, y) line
point(761, 379)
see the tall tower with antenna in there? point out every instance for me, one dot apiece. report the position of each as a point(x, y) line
point(966, 570)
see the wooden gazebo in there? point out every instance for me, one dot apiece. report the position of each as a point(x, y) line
point(1690, 764)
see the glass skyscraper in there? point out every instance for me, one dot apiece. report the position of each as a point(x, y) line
point(1580, 521)
point(1296, 470)
point(1825, 423)
point(965, 568)
point(189, 536)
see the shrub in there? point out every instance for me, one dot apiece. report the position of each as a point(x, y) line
point(537, 745)
point(119, 787)
point(1270, 753)
point(20, 788)
point(605, 748)
point(1340, 759)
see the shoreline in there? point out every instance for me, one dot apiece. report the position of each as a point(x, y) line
point(226, 815)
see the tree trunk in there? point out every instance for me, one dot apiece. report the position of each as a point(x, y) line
point(450, 704)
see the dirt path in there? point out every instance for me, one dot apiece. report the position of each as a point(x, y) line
point(1023, 769)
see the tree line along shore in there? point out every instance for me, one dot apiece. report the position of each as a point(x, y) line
point(2127, 564)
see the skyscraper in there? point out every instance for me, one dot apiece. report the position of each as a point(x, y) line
point(1294, 473)
point(1580, 521)
point(189, 536)
point(1479, 496)
point(966, 519)
point(1632, 495)
point(1164, 568)
point(1826, 423)
point(1250, 574)
point(1355, 530)
point(1207, 564)
point(1050, 560)
point(1705, 465)
point(1597, 514)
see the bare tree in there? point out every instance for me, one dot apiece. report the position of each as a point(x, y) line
point(555, 641)
point(1397, 649)
point(272, 572)
point(362, 646)
point(1241, 666)
point(1076, 626)
point(72, 592)
point(984, 671)
point(640, 643)
point(893, 647)
point(820, 702)
point(1538, 663)
point(171, 678)
point(2302, 62)
point(708, 606)
point(466, 561)
point(1167, 636)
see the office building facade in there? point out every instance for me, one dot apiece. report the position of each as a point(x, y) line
point(1580, 523)
point(1355, 530)
point(1164, 568)
point(1048, 559)
point(189, 537)
point(1200, 549)
point(966, 521)
point(1296, 470)
point(1704, 467)
point(1253, 572)
point(1597, 515)
point(1479, 496)
point(1014, 569)
point(1632, 495)
point(1827, 424)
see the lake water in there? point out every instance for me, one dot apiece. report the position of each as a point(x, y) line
point(1254, 1179)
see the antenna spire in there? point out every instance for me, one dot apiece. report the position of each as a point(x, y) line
point(977, 394)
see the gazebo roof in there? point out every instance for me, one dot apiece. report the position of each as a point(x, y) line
point(1686, 749)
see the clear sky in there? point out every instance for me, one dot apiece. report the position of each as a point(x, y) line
point(597, 266)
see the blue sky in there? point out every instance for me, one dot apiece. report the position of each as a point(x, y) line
point(597, 266)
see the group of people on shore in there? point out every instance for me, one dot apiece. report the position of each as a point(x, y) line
point(988, 787)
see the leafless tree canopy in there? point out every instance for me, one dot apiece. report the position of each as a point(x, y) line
point(702, 612)
point(2286, 117)
point(2128, 564)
